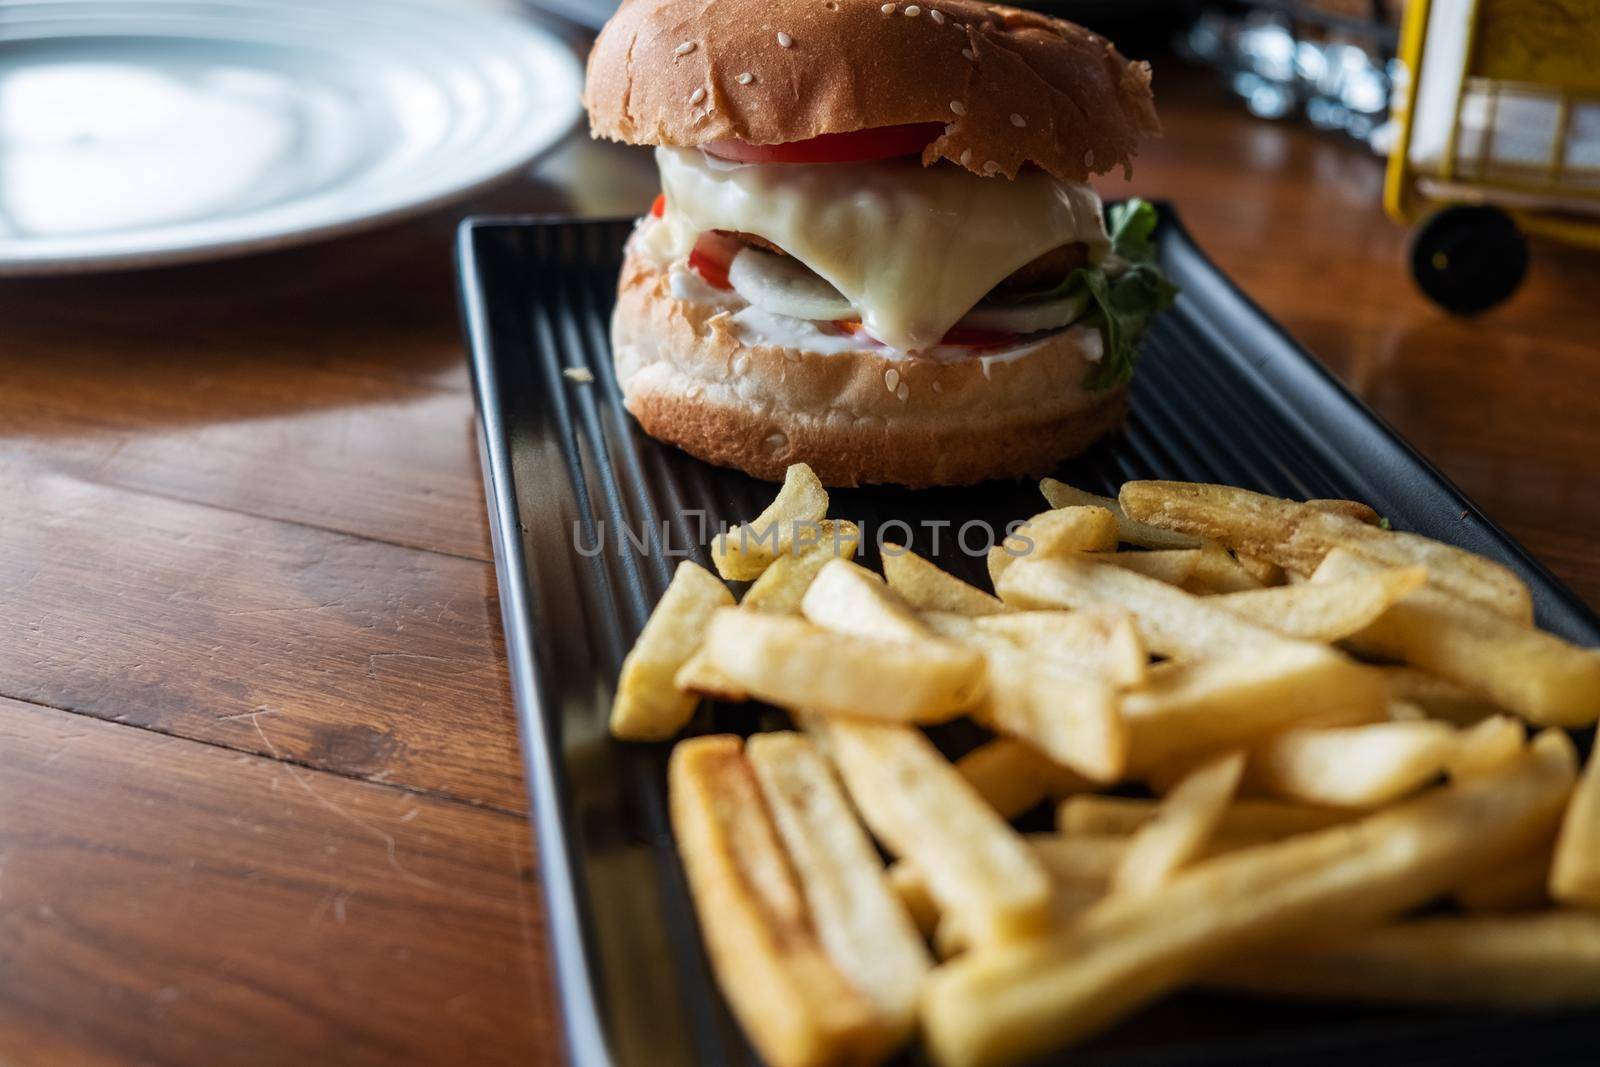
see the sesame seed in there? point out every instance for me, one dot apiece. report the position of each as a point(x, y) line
point(990, 167)
point(936, 16)
point(887, 9)
point(903, 392)
point(966, 157)
point(1088, 158)
point(683, 49)
point(785, 41)
point(938, 388)
point(746, 78)
point(958, 107)
point(1018, 121)
point(970, 54)
point(582, 375)
point(949, 129)
point(697, 96)
point(913, 10)
point(891, 379)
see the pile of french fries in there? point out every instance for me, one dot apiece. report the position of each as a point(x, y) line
point(1329, 721)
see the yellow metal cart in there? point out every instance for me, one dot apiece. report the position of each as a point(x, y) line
point(1499, 136)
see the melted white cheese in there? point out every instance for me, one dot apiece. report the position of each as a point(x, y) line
point(913, 248)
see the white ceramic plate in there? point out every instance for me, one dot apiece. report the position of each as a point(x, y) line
point(143, 132)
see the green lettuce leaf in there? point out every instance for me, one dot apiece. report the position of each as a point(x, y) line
point(1125, 292)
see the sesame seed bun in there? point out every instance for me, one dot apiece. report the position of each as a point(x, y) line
point(1013, 87)
point(855, 417)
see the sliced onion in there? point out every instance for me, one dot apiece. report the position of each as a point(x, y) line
point(1026, 318)
point(785, 286)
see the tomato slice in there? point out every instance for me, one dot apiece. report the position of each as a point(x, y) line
point(958, 337)
point(711, 256)
point(659, 208)
point(858, 146)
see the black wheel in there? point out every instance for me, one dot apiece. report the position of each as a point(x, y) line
point(1468, 259)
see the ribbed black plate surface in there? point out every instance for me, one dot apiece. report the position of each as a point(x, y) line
point(590, 516)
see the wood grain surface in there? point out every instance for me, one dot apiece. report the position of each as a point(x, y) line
point(167, 901)
point(259, 790)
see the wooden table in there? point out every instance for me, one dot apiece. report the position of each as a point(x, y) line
point(260, 799)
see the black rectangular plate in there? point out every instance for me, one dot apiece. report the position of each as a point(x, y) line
point(1222, 395)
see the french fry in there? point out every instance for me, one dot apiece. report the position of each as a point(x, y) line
point(1088, 860)
point(1083, 865)
point(1297, 536)
point(1216, 571)
point(1175, 566)
point(1013, 777)
point(1050, 534)
point(741, 554)
point(1067, 900)
point(1354, 766)
point(1479, 749)
point(1171, 621)
point(1355, 509)
point(1006, 1003)
point(1081, 869)
point(1070, 716)
point(923, 810)
point(1405, 711)
point(1533, 673)
point(793, 1003)
point(1538, 961)
point(1190, 710)
point(1061, 495)
point(699, 677)
point(1438, 697)
point(849, 599)
point(912, 889)
point(1181, 828)
point(1103, 642)
point(860, 922)
point(783, 584)
point(1325, 611)
point(1247, 818)
point(648, 705)
point(1575, 873)
point(1520, 883)
point(795, 664)
point(927, 588)
point(1264, 571)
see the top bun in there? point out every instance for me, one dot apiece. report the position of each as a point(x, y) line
point(1013, 87)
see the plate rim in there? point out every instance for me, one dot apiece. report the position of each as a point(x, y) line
point(582, 1030)
point(240, 234)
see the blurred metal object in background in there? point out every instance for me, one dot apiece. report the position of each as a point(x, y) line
point(1330, 61)
point(1500, 137)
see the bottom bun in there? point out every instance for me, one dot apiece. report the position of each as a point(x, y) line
point(855, 417)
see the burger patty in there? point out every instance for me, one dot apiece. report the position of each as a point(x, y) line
point(1042, 273)
point(1046, 271)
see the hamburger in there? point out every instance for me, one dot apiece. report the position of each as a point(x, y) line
point(876, 250)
